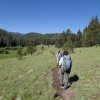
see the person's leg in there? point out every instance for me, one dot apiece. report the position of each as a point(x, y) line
point(66, 78)
point(61, 77)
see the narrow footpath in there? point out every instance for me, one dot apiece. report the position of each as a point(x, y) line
point(63, 94)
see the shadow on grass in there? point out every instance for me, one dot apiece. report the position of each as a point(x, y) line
point(73, 78)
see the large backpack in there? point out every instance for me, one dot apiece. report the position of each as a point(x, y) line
point(66, 64)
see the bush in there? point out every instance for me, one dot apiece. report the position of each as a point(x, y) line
point(19, 53)
point(1, 50)
point(25, 52)
point(31, 49)
point(6, 52)
point(42, 47)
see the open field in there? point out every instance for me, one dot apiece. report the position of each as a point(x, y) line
point(31, 77)
point(86, 65)
point(12, 54)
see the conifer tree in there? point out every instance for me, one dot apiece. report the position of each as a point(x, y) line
point(78, 39)
point(69, 45)
point(91, 32)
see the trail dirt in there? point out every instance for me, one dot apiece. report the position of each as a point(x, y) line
point(59, 91)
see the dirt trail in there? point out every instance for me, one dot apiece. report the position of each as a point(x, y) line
point(63, 94)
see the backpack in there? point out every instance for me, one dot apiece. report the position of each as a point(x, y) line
point(66, 64)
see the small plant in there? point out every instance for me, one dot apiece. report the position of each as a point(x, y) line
point(1, 50)
point(42, 47)
point(6, 52)
point(19, 53)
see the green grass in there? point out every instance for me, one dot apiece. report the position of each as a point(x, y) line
point(12, 54)
point(31, 77)
point(86, 64)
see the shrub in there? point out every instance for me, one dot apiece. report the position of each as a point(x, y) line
point(6, 52)
point(31, 49)
point(19, 53)
point(1, 50)
point(42, 47)
point(25, 52)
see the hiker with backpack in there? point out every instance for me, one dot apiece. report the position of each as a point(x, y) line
point(65, 64)
point(58, 56)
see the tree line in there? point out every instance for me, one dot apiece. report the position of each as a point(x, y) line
point(89, 37)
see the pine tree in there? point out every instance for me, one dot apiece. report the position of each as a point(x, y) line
point(91, 32)
point(97, 40)
point(69, 45)
point(78, 39)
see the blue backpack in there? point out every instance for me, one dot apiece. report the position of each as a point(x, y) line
point(66, 64)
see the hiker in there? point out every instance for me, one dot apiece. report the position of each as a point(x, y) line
point(58, 56)
point(61, 54)
point(65, 64)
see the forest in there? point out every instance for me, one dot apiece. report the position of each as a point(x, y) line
point(90, 36)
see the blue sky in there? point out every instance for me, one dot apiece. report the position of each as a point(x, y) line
point(47, 16)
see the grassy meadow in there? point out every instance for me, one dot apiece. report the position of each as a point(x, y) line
point(31, 77)
point(86, 65)
point(12, 54)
